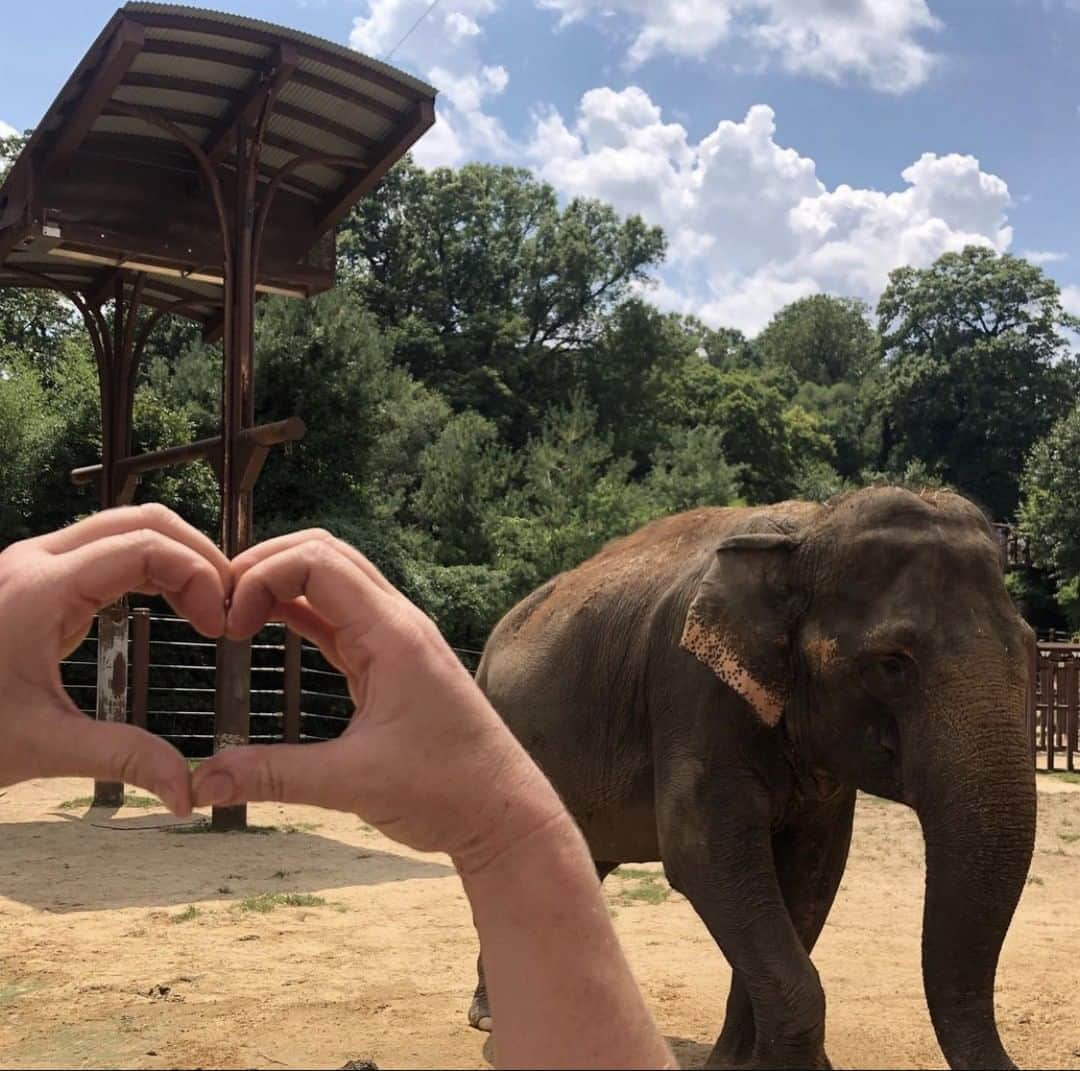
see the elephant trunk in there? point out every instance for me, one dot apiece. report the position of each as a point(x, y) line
point(975, 798)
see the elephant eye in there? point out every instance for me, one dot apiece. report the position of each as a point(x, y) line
point(888, 676)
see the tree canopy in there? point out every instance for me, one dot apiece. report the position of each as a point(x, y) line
point(491, 396)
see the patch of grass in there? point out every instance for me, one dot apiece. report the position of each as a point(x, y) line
point(130, 800)
point(1068, 838)
point(264, 903)
point(643, 886)
point(366, 828)
point(649, 892)
point(281, 874)
point(1070, 777)
point(1033, 880)
point(190, 912)
point(298, 827)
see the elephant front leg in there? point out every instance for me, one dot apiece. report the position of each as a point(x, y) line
point(718, 852)
point(810, 853)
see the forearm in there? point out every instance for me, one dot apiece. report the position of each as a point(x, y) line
point(561, 991)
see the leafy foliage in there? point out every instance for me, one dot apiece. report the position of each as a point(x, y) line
point(490, 397)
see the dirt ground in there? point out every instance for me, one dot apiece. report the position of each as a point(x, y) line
point(126, 944)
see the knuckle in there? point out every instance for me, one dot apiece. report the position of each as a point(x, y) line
point(154, 513)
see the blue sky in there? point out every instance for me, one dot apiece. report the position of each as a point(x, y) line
point(787, 146)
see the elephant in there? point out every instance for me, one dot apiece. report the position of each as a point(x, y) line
point(712, 690)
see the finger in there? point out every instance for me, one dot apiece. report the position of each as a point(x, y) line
point(319, 774)
point(344, 596)
point(243, 562)
point(110, 751)
point(112, 522)
point(312, 626)
point(100, 572)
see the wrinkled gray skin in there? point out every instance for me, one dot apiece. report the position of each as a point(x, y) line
point(712, 690)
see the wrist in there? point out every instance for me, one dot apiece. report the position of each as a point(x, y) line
point(521, 814)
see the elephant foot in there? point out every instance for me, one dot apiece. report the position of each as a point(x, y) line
point(732, 1053)
point(480, 1013)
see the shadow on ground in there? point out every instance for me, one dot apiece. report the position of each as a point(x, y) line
point(154, 860)
point(688, 1053)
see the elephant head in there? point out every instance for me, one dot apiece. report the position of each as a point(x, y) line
point(876, 632)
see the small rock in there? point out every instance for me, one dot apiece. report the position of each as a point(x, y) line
point(361, 1065)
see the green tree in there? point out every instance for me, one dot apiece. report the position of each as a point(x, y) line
point(464, 472)
point(573, 496)
point(691, 470)
point(822, 339)
point(1050, 509)
point(769, 440)
point(487, 285)
point(978, 370)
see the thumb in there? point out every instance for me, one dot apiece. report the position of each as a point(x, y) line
point(285, 773)
point(109, 751)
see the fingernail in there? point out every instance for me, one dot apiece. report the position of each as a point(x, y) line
point(218, 788)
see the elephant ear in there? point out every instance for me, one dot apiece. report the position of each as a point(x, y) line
point(742, 617)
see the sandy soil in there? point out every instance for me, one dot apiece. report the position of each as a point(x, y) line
point(125, 944)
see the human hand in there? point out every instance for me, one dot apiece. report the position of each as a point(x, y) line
point(425, 758)
point(50, 589)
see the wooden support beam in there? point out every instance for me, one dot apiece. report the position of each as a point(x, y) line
point(265, 435)
point(103, 288)
point(186, 50)
point(112, 686)
point(213, 327)
point(126, 45)
point(336, 206)
point(290, 727)
point(140, 666)
point(245, 110)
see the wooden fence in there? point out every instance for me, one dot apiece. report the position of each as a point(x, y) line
point(1054, 706)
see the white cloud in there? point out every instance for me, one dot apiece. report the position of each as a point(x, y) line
point(877, 41)
point(442, 48)
point(6, 130)
point(751, 225)
point(1038, 256)
point(1070, 299)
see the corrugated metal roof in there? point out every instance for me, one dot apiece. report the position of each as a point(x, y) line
point(422, 88)
point(197, 69)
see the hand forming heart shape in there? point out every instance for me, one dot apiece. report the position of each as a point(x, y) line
point(425, 758)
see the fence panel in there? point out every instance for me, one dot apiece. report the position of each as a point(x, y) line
point(1054, 710)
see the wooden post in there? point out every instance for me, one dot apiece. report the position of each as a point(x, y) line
point(1033, 670)
point(291, 719)
point(140, 666)
point(1072, 703)
point(112, 686)
point(1046, 675)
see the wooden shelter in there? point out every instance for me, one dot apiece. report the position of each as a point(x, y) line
point(192, 160)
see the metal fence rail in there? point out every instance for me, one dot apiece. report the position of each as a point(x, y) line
point(297, 695)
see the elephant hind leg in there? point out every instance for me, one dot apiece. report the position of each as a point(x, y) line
point(480, 1009)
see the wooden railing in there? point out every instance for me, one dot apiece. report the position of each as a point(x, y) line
point(1054, 705)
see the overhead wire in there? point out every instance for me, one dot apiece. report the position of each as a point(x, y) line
point(412, 29)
